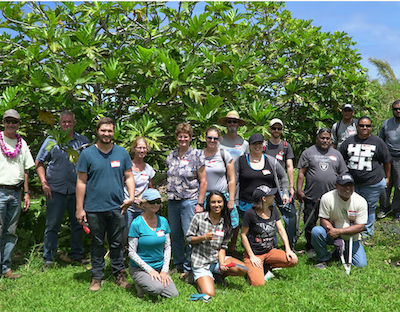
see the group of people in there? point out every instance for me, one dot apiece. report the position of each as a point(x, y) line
point(208, 191)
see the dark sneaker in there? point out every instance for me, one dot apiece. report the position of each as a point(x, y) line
point(95, 285)
point(139, 291)
point(383, 214)
point(322, 265)
point(121, 280)
point(220, 279)
point(82, 261)
point(11, 275)
point(310, 253)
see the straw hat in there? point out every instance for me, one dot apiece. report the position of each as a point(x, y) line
point(231, 115)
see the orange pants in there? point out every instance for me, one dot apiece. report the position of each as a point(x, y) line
point(276, 258)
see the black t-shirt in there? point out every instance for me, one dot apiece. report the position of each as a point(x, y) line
point(365, 158)
point(261, 232)
point(250, 179)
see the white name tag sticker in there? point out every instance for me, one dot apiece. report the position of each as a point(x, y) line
point(211, 163)
point(266, 171)
point(333, 158)
point(184, 162)
point(238, 146)
point(219, 233)
point(352, 214)
point(352, 132)
point(144, 177)
point(115, 164)
point(160, 233)
point(279, 157)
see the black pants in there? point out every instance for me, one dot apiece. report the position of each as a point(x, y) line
point(308, 208)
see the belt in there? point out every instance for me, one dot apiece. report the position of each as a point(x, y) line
point(10, 187)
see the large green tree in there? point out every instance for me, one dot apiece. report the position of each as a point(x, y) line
point(151, 65)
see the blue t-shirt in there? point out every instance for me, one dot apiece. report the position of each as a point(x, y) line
point(105, 182)
point(60, 172)
point(150, 243)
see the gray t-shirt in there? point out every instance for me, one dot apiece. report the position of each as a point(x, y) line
point(322, 170)
point(236, 147)
point(390, 133)
point(282, 152)
point(339, 135)
point(216, 171)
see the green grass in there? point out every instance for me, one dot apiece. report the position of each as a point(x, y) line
point(303, 288)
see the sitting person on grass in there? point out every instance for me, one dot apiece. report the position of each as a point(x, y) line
point(259, 227)
point(209, 233)
point(150, 249)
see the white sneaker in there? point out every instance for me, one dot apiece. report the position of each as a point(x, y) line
point(268, 276)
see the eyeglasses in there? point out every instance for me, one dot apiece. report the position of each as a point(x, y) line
point(212, 138)
point(396, 108)
point(276, 129)
point(11, 121)
point(365, 126)
point(232, 121)
point(155, 201)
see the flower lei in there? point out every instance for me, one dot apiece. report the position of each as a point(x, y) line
point(5, 150)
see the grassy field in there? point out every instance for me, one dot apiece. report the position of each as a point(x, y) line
point(303, 288)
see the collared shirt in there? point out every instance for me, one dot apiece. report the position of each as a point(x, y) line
point(12, 170)
point(206, 252)
point(182, 178)
point(60, 172)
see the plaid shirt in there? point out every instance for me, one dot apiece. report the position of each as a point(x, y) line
point(206, 252)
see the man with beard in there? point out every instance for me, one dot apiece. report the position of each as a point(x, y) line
point(342, 214)
point(368, 160)
point(390, 133)
point(319, 165)
point(15, 160)
point(231, 141)
point(58, 183)
point(101, 170)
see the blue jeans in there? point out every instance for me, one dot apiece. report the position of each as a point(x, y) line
point(180, 213)
point(10, 209)
point(55, 210)
point(320, 240)
point(130, 216)
point(288, 212)
point(113, 223)
point(371, 194)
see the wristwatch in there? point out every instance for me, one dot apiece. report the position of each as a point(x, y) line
point(28, 192)
point(201, 204)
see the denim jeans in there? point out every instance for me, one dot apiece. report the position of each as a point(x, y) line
point(371, 194)
point(288, 212)
point(113, 223)
point(320, 240)
point(129, 217)
point(55, 210)
point(180, 213)
point(10, 209)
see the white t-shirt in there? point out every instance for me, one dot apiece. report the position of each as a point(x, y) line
point(340, 212)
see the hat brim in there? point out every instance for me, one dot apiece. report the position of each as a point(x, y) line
point(223, 121)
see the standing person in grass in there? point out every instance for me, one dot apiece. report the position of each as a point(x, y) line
point(209, 234)
point(59, 183)
point(15, 160)
point(100, 200)
point(260, 224)
point(344, 128)
point(282, 151)
point(342, 214)
point(368, 160)
point(221, 175)
point(150, 249)
point(319, 165)
point(186, 188)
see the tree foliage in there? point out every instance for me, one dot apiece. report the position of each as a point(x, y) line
point(152, 65)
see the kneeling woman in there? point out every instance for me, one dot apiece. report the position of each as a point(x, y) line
point(209, 234)
point(260, 224)
point(150, 249)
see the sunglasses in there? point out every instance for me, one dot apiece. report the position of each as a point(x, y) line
point(275, 128)
point(396, 108)
point(11, 121)
point(154, 201)
point(212, 138)
point(365, 126)
point(232, 121)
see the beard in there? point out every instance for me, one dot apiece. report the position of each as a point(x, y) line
point(232, 129)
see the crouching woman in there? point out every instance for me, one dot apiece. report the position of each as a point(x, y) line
point(150, 249)
point(209, 233)
point(260, 224)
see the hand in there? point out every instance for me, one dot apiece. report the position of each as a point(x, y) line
point(155, 276)
point(165, 278)
point(291, 256)
point(47, 190)
point(285, 199)
point(231, 204)
point(387, 182)
point(125, 205)
point(223, 267)
point(255, 261)
point(292, 193)
point(198, 209)
point(300, 195)
point(333, 233)
point(80, 215)
point(210, 236)
point(27, 202)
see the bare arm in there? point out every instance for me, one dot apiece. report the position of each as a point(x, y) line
point(335, 233)
point(130, 185)
point(290, 173)
point(230, 173)
point(42, 177)
point(255, 261)
point(387, 167)
point(27, 197)
point(151, 183)
point(80, 196)
point(201, 174)
point(300, 182)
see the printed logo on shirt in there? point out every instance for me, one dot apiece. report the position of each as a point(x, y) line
point(323, 166)
point(219, 233)
point(266, 171)
point(160, 233)
point(144, 177)
point(333, 158)
point(115, 164)
point(184, 162)
point(361, 156)
point(258, 240)
point(211, 163)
